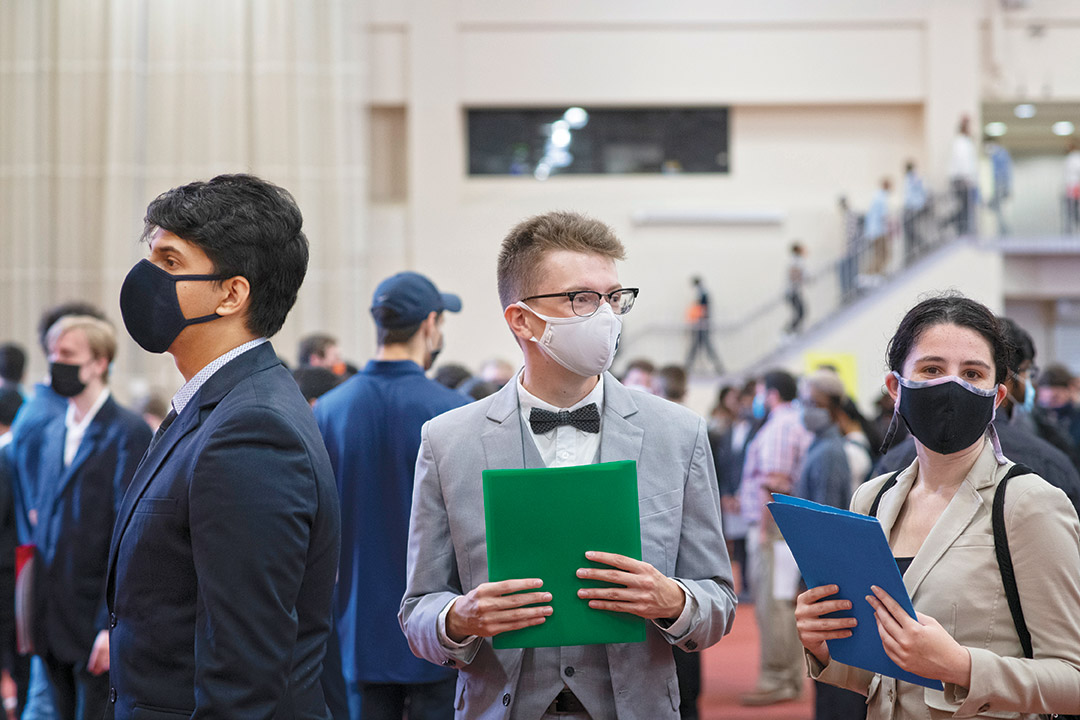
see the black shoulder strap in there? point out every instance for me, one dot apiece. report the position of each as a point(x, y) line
point(885, 487)
point(1004, 558)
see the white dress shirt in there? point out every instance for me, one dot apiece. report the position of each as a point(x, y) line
point(561, 447)
point(565, 445)
point(76, 430)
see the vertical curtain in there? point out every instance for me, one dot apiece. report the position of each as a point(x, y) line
point(104, 104)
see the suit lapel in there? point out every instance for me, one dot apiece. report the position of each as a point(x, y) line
point(621, 438)
point(185, 422)
point(502, 441)
point(95, 432)
point(955, 519)
point(205, 400)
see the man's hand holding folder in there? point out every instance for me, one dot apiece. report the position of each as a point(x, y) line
point(645, 591)
point(637, 588)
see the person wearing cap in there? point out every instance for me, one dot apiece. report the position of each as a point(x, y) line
point(563, 303)
point(371, 426)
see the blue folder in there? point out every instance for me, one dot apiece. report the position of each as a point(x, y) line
point(843, 548)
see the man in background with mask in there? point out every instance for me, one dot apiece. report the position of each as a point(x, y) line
point(89, 455)
point(773, 459)
point(371, 427)
point(24, 458)
point(563, 302)
point(223, 556)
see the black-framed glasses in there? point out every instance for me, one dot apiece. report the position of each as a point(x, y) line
point(587, 302)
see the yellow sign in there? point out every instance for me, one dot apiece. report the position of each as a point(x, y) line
point(842, 363)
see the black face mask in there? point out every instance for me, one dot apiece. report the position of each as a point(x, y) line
point(151, 309)
point(64, 379)
point(946, 417)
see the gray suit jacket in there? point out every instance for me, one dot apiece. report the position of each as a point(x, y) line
point(954, 578)
point(680, 536)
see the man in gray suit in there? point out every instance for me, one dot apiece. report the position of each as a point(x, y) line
point(562, 299)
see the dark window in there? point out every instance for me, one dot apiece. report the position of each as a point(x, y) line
point(543, 142)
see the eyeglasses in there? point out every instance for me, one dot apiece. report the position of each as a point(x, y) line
point(586, 302)
point(1031, 373)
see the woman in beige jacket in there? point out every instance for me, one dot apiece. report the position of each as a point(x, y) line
point(948, 361)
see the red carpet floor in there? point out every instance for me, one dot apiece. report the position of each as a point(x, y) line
point(730, 669)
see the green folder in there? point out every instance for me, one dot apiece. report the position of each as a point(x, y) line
point(539, 524)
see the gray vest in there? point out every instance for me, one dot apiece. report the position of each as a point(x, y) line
point(546, 671)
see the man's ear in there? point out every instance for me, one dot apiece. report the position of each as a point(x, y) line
point(518, 319)
point(101, 365)
point(237, 295)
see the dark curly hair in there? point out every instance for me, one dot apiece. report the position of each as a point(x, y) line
point(247, 227)
point(956, 309)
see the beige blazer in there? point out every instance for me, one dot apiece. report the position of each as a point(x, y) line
point(954, 578)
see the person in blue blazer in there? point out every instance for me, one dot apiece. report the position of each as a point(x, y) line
point(89, 454)
point(222, 563)
point(27, 439)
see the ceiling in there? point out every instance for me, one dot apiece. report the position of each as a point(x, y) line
point(1032, 135)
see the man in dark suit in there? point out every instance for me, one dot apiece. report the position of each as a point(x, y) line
point(89, 455)
point(223, 557)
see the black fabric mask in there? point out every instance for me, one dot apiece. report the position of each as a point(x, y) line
point(64, 379)
point(945, 417)
point(151, 308)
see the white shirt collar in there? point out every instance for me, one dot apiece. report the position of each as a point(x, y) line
point(79, 427)
point(528, 401)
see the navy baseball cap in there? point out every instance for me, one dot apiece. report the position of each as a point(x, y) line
point(407, 298)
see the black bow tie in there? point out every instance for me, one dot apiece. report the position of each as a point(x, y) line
point(585, 418)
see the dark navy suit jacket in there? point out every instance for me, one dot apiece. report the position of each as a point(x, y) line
point(76, 508)
point(371, 425)
point(222, 564)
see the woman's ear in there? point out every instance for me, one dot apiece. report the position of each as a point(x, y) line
point(892, 385)
point(999, 397)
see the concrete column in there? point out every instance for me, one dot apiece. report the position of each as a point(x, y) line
point(436, 164)
point(952, 83)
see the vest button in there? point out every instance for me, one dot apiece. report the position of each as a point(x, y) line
point(112, 695)
point(506, 699)
point(569, 672)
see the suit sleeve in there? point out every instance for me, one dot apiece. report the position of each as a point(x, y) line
point(252, 506)
point(431, 575)
point(702, 564)
point(1044, 540)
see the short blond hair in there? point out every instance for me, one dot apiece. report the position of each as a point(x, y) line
point(522, 253)
point(100, 335)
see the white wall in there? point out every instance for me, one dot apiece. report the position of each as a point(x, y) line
point(865, 329)
point(826, 97)
point(806, 126)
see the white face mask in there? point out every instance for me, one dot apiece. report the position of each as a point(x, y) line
point(583, 345)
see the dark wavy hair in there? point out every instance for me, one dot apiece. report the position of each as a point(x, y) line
point(956, 309)
point(247, 227)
